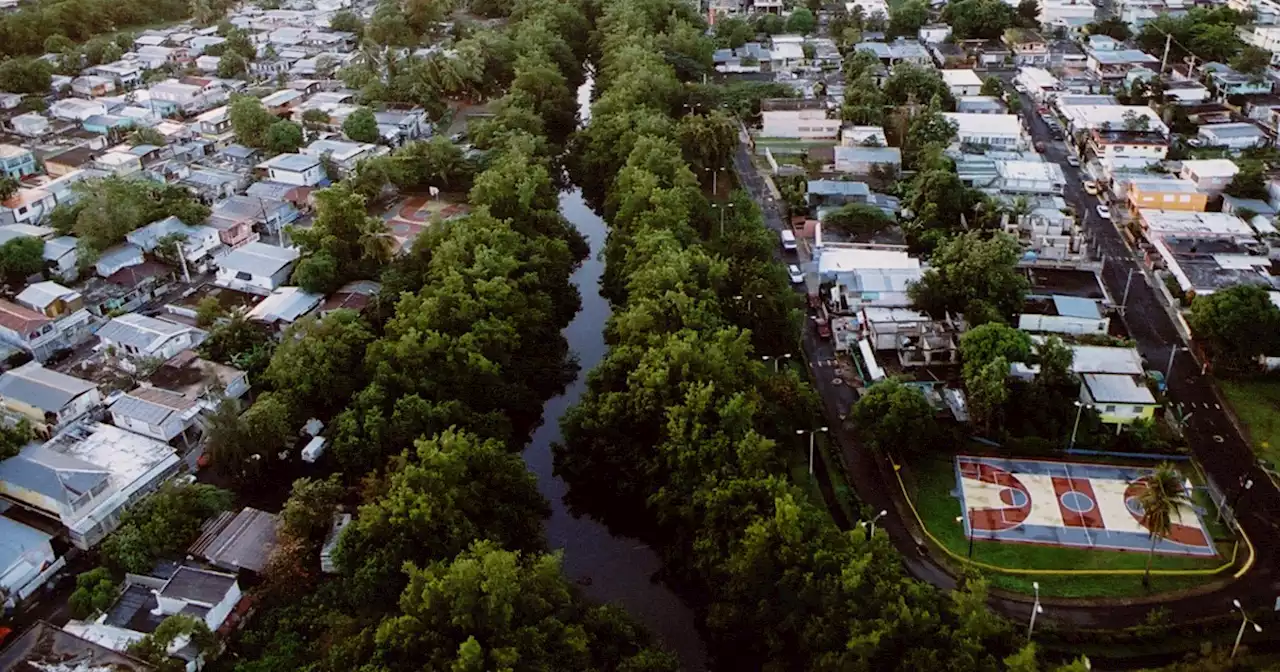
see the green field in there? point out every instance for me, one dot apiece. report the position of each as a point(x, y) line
point(1257, 404)
point(930, 483)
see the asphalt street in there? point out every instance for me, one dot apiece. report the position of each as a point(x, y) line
point(1217, 444)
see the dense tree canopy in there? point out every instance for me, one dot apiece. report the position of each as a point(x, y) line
point(974, 274)
point(166, 522)
point(110, 207)
point(1236, 325)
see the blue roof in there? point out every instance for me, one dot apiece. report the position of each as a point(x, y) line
point(1074, 306)
point(838, 188)
point(52, 474)
point(17, 540)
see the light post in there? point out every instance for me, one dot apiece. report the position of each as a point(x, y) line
point(812, 433)
point(785, 355)
point(715, 173)
point(1125, 301)
point(1245, 485)
point(871, 524)
point(1035, 609)
point(739, 297)
point(1075, 427)
point(1168, 369)
point(961, 519)
point(1245, 622)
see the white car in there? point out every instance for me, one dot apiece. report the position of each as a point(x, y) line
point(1103, 211)
point(1091, 187)
point(1072, 160)
point(797, 276)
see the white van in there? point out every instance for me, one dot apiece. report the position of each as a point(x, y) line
point(788, 241)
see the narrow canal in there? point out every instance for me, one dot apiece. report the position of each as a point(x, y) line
point(611, 569)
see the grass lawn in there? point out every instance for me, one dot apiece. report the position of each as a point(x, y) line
point(1257, 404)
point(931, 483)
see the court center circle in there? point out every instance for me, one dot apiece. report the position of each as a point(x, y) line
point(1135, 506)
point(1013, 497)
point(1076, 502)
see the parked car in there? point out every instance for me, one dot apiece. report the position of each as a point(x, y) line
point(1040, 147)
point(1103, 211)
point(1072, 160)
point(1091, 187)
point(797, 276)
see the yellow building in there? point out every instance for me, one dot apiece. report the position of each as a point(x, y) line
point(1166, 194)
point(1119, 399)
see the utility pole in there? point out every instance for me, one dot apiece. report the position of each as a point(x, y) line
point(1168, 40)
point(182, 257)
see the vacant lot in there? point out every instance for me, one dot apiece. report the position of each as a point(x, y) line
point(1257, 404)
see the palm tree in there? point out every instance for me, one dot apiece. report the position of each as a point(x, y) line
point(1162, 501)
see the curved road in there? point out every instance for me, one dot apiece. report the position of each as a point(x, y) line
point(1216, 442)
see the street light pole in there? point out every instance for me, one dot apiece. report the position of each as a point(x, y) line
point(871, 525)
point(1245, 485)
point(812, 433)
point(961, 520)
point(1075, 427)
point(1168, 369)
point(1125, 300)
point(1243, 623)
point(1035, 609)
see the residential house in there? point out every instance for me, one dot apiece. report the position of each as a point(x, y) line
point(117, 258)
point(118, 163)
point(128, 288)
point(234, 230)
point(867, 276)
point(867, 160)
point(1165, 193)
point(981, 105)
point(345, 155)
point(836, 193)
point(70, 161)
point(1029, 47)
point(962, 82)
point(798, 119)
point(65, 306)
point(1069, 15)
point(1121, 136)
point(397, 127)
point(215, 125)
point(156, 413)
point(1228, 82)
point(355, 295)
point(1030, 177)
point(135, 336)
point(933, 33)
point(26, 558)
point(863, 136)
point(111, 125)
point(285, 306)
point(93, 86)
point(208, 64)
point(29, 330)
point(1233, 136)
point(268, 214)
point(76, 109)
point(50, 400)
point(16, 162)
point(198, 242)
point(238, 541)
point(30, 125)
point(187, 97)
point(46, 647)
point(154, 58)
point(205, 381)
point(211, 184)
point(1118, 400)
point(128, 73)
point(1060, 314)
point(27, 206)
point(1111, 64)
point(1265, 37)
point(296, 169)
point(900, 51)
point(997, 131)
point(258, 268)
point(60, 253)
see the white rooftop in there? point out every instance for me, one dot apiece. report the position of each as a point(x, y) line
point(843, 259)
point(1117, 389)
point(1110, 116)
point(1104, 359)
point(985, 124)
point(1212, 167)
point(1204, 223)
point(960, 78)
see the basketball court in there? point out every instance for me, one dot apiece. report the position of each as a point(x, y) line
point(1067, 504)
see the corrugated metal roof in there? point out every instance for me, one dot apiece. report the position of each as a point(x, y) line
point(41, 388)
point(139, 331)
point(52, 474)
point(1074, 306)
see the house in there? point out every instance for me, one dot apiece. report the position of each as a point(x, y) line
point(269, 214)
point(1114, 64)
point(933, 33)
point(1068, 15)
point(233, 230)
point(1165, 194)
point(750, 57)
point(62, 304)
point(128, 73)
point(118, 258)
point(29, 330)
point(797, 118)
point(156, 413)
point(981, 105)
point(918, 339)
point(118, 163)
point(281, 102)
point(998, 131)
point(194, 378)
point(285, 306)
point(866, 160)
point(238, 541)
point(25, 558)
point(76, 109)
point(344, 154)
point(30, 125)
point(836, 193)
point(146, 601)
point(296, 169)
point(172, 96)
point(899, 51)
point(215, 125)
point(863, 136)
point(46, 647)
point(198, 242)
point(962, 82)
point(141, 336)
point(92, 86)
point(1029, 48)
point(46, 397)
point(1228, 82)
point(16, 162)
point(1265, 37)
point(256, 267)
point(355, 295)
point(1030, 177)
point(61, 255)
point(27, 206)
point(1121, 136)
point(208, 64)
point(867, 276)
point(397, 127)
point(1059, 314)
point(70, 161)
point(1118, 399)
point(1233, 136)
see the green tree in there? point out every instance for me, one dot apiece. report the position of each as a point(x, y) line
point(25, 75)
point(858, 219)
point(1027, 14)
point(974, 274)
point(913, 83)
point(283, 136)
point(318, 362)
point(896, 418)
point(1236, 325)
point(801, 21)
point(239, 43)
point(1252, 60)
point(346, 21)
point(1114, 27)
point(1162, 499)
point(308, 513)
point(250, 120)
point(988, 391)
point(20, 258)
point(344, 243)
point(1055, 359)
point(907, 18)
point(978, 19)
point(154, 646)
point(208, 311)
point(985, 343)
point(992, 86)
point(165, 522)
point(146, 136)
point(109, 208)
point(733, 32)
point(239, 342)
point(361, 126)
point(8, 187)
point(708, 140)
point(315, 119)
point(1250, 181)
point(95, 591)
point(232, 65)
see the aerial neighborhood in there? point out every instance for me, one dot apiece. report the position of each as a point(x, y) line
point(638, 334)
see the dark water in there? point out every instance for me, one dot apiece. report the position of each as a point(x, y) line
point(619, 568)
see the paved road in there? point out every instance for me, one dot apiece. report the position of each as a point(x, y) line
point(1225, 456)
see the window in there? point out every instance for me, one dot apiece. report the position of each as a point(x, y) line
point(22, 210)
point(1168, 198)
point(1184, 198)
point(241, 275)
point(1110, 409)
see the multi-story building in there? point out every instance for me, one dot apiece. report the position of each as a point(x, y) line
point(16, 161)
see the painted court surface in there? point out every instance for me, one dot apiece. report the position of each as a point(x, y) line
point(1066, 504)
